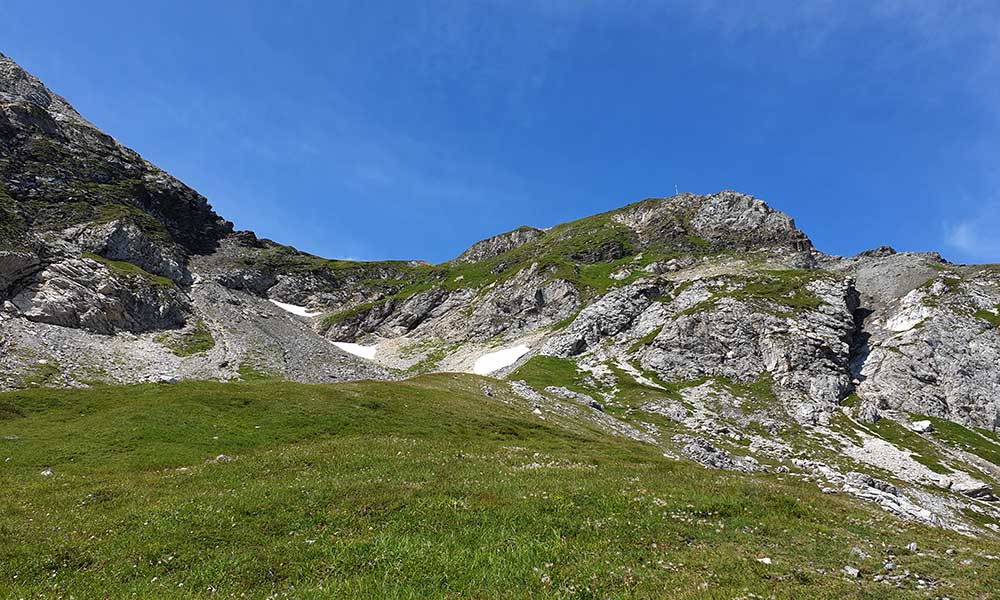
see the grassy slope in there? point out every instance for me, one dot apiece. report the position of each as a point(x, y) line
point(407, 490)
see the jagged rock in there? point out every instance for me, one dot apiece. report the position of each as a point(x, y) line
point(921, 427)
point(703, 452)
point(862, 481)
point(670, 266)
point(568, 394)
point(607, 316)
point(15, 265)
point(528, 300)
point(727, 219)
point(806, 352)
point(674, 411)
point(923, 349)
point(123, 240)
point(525, 391)
point(867, 413)
point(975, 489)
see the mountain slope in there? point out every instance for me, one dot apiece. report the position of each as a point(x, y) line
point(705, 326)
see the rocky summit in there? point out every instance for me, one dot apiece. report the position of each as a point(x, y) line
point(705, 326)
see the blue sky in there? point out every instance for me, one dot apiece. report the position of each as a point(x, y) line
point(389, 129)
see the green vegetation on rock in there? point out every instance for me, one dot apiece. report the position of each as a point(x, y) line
point(781, 292)
point(187, 343)
point(645, 340)
point(586, 253)
point(12, 225)
point(541, 371)
point(249, 372)
point(127, 269)
point(991, 317)
point(41, 373)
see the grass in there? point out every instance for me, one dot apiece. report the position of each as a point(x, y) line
point(981, 442)
point(187, 343)
point(564, 323)
point(925, 452)
point(993, 318)
point(41, 373)
point(248, 372)
point(355, 312)
point(759, 393)
point(128, 270)
point(424, 488)
point(852, 400)
point(541, 371)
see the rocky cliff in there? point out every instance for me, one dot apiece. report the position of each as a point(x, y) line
point(708, 325)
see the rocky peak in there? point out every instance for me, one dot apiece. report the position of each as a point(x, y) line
point(499, 244)
point(17, 85)
point(727, 219)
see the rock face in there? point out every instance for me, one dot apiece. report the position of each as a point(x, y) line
point(83, 293)
point(14, 266)
point(930, 341)
point(123, 240)
point(609, 315)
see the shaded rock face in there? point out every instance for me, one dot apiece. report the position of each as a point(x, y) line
point(60, 171)
point(14, 266)
point(84, 294)
point(927, 343)
point(528, 301)
point(498, 244)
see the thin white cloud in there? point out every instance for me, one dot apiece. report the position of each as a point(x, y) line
point(976, 238)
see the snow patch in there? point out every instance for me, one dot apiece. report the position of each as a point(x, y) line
point(367, 352)
point(295, 310)
point(488, 363)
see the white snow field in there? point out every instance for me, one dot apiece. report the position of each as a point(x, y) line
point(357, 349)
point(488, 363)
point(295, 310)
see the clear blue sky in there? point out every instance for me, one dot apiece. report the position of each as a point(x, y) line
point(394, 129)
